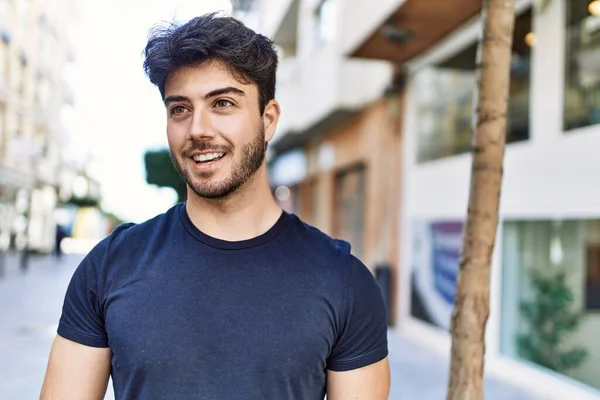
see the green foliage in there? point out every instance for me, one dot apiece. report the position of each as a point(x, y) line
point(161, 172)
point(550, 320)
point(84, 202)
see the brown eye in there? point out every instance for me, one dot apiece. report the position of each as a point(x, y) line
point(177, 110)
point(223, 103)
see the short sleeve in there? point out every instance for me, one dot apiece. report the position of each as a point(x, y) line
point(82, 319)
point(363, 335)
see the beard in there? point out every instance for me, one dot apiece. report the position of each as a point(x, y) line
point(253, 155)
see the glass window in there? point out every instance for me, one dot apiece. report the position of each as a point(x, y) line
point(326, 14)
point(550, 288)
point(582, 69)
point(444, 97)
point(349, 212)
point(23, 78)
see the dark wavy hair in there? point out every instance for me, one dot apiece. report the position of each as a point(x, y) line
point(250, 57)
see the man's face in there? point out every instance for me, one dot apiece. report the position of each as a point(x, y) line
point(217, 137)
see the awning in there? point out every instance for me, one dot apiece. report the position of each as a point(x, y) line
point(416, 26)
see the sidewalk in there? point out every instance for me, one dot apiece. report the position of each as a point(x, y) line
point(30, 305)
point(422, 374)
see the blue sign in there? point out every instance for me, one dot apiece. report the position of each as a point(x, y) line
point(446, 248)
point(435, 265)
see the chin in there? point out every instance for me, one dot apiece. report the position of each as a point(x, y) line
point(211, 189)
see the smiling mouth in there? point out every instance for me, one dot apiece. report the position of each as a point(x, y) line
point(207, 158)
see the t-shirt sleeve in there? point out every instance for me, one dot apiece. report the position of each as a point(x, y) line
point(362, 338)
point(82, 318)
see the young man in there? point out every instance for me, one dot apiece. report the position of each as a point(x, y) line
point(224, 296)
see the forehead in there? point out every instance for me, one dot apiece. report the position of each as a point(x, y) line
point(201, 79)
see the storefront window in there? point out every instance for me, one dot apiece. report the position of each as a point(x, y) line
point(349, 212)
point(444, 96)
point(549, 298)
point(582, 59)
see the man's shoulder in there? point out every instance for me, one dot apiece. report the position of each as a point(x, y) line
point(318, 243)
point(142, 230)
point(129, 242)
point(130, 237)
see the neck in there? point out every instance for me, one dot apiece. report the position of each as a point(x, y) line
point(247, 213)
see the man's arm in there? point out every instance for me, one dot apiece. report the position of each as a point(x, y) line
point(368, 383)
point(358, 367)
point(76, 372)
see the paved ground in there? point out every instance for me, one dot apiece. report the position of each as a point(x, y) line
point(30, 304)
point(421, 374)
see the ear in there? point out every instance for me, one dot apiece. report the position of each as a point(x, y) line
point(271, 118)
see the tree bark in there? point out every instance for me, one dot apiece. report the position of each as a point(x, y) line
point(471, 308)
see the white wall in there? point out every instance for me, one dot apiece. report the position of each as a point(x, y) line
point(307, 90)
point(320, 79)
point(271, 15)
point(553, 174)
point(361, 18)
point(361, 81)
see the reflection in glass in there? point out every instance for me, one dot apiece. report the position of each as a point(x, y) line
point(549, 317)
point(444, 97)
point(582, 72)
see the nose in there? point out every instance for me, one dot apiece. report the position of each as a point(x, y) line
point(201, 127)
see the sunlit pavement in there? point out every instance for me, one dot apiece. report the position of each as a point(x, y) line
point(421, 374)
point(30, 304)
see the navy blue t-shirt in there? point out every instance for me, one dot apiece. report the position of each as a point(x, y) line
point(189, 316)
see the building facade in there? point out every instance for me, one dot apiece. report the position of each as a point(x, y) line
point(545, 280)
point(327, 165)
point(391, 172)
point(35, 48)
point(333, 160)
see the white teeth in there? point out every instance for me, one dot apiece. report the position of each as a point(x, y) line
point(207, 157)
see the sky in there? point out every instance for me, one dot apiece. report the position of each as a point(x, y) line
point(118, 113)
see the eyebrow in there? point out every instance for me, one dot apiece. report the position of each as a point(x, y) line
point(213, 93)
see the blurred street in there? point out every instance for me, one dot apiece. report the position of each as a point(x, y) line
point(30, 305)
point(374, 145)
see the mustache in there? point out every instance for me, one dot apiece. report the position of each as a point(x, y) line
point(205, 147)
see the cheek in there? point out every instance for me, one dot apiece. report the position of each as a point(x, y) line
point(175, 136)
point(240, 131)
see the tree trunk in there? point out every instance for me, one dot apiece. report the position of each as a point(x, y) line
point(471, 307)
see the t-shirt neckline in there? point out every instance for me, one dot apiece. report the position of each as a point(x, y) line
point(232, 245)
